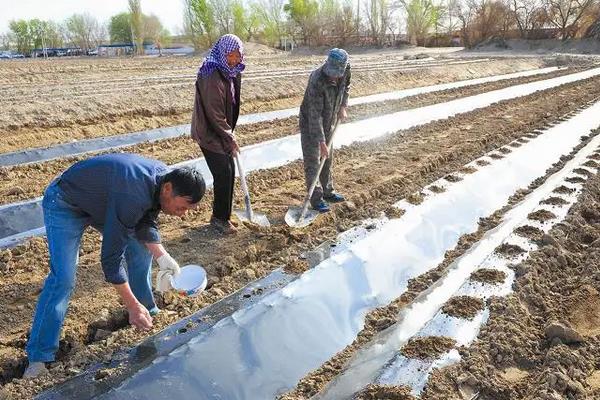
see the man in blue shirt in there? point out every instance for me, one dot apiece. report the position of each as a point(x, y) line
point(121, 195)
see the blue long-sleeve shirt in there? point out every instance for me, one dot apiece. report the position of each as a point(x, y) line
point(120, 193)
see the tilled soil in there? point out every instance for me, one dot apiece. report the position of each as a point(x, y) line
point(384, 317)
point(43, 120)
point(27, 181)
point(514, 358)
point(419, 156)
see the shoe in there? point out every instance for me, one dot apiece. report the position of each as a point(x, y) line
point(223, 227)
point(35, 369)
point(334, 198)
point(321, 207)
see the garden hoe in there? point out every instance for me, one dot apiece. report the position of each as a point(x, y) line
point(248, 215)
point(299, 217)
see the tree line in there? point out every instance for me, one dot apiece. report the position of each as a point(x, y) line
point(84, 31)
point(322, 22)
point(379, 22)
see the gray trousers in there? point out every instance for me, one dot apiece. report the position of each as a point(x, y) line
point(311, 154)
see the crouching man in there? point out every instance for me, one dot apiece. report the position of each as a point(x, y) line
point(121, 195)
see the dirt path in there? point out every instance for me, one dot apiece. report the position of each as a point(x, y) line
point(363, 172)
point(28, 181)
point(40, 123)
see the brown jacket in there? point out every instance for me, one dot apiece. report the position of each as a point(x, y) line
point(215, 115)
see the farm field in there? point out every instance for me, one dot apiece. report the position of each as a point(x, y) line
point(517, 170)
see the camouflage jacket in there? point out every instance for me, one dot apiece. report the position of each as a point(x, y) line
point(321, 104)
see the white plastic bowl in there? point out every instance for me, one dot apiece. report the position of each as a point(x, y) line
point(191, 281)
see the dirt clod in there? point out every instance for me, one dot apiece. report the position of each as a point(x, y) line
point(554, 201)
point(530, 232)
point(541, 215)
point(429, 347)
point(486, 275)
point(463, 306)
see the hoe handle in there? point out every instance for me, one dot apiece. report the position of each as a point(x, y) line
point(313, 185)
point(249, 213)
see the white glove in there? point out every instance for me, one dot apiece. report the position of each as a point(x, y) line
point(167, 263)
point(163, 281)
point(168, 268)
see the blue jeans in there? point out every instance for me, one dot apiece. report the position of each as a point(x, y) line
point(65, 225)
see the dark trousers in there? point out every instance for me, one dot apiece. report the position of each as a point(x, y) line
point(222, 168)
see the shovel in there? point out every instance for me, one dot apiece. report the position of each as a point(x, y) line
point(299, 217)
point(248, 215)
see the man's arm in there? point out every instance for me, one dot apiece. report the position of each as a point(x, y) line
point(114, 240)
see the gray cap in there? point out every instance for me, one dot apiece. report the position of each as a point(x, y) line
point(335, 66)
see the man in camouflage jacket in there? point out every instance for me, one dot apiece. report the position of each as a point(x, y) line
point(325, 101)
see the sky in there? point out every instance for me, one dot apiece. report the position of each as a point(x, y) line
point(170, 12)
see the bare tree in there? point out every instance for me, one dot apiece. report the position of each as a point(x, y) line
point(345, 23)
point(493, 19)
point(465, 13)
point(5, 41)
point(83, 30)
point(379, 14)
point(566, 14)
point(155, 32)
point(526, 15)
point(223, 13)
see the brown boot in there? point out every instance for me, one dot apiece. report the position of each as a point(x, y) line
point(223, 227)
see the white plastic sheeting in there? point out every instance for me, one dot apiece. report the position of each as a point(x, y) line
point(117, 141)
point(264, 350)
point(373, 363)
point(281, 151)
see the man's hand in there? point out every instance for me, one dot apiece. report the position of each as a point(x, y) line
point(167, 263)
point(342, 114)
point(324, 150)
point(139, 317)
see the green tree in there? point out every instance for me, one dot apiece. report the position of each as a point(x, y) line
point(22, 34)
point(55, 34)
point(271, 19)
point(119, 28)
point(240, 20)
point(199, 22)
point(304, 14)
point(246, 21)
point(421, 16)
